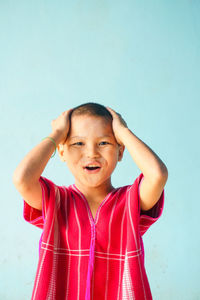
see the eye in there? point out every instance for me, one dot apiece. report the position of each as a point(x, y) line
point(103, 143)
point(77, 144)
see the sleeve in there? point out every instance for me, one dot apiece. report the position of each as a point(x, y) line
point(35, 216)
point(147, 218)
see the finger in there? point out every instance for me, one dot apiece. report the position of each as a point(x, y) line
point(67, 111)
point(111, 111)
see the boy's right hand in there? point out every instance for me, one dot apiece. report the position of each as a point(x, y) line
point(61, 126)
point(27, 174)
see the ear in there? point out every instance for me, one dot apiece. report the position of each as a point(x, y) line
point(121, 152)
point(60, 148)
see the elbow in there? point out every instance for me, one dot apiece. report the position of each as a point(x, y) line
point(17, 178)
point(162, 175)
point(159, 173)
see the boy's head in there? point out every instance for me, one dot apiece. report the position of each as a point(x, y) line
point(91, 150)
point(92, 109)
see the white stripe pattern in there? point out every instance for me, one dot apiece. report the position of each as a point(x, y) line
point(111, 242)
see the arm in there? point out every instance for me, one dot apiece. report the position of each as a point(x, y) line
point(154, 170)
point(26, 175)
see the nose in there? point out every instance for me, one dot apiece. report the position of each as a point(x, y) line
point(92, 151)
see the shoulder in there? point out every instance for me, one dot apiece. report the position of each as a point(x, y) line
point(121, 191)
point(55, 190)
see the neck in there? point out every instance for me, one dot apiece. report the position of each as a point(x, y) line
point(97, 193)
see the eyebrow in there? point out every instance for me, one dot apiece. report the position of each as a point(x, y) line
point(82, 137)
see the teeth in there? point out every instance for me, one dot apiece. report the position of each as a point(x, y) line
point(92, 166)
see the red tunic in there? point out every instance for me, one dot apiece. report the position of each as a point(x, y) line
point(83, 258)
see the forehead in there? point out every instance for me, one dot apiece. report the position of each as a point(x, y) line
point(85, 124)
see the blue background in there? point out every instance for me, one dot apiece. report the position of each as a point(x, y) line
point(142, 59)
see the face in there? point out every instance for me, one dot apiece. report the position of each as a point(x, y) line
point(91, 151)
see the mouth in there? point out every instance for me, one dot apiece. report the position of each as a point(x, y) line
point(92, 168)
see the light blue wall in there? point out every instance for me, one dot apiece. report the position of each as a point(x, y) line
point(140, 57)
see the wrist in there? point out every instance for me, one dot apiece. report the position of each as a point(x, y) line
point(56, 135)
point(121, 133)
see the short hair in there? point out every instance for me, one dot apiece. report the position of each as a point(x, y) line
point(92, 109)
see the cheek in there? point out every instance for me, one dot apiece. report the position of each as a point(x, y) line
point(70, 160)
point(113, 156)
point(73, 153)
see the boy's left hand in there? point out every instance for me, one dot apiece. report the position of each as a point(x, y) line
point(118, 124)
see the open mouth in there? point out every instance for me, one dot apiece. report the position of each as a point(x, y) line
point(92, 168)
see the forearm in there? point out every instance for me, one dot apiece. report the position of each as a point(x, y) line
point(147, 161)
point(31, 167)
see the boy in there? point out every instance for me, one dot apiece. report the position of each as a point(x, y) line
point(91, 246)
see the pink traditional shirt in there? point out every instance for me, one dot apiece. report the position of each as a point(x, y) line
point(86, 258)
